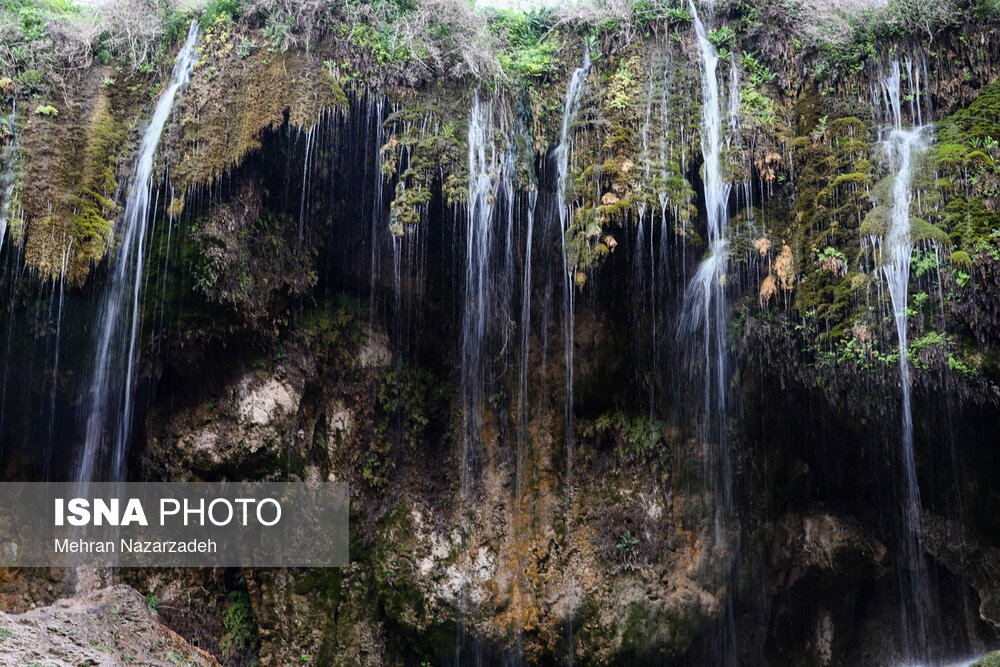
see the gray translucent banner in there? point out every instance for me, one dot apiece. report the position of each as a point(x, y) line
point(223, 524)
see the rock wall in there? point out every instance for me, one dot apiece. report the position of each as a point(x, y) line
point(303, 320)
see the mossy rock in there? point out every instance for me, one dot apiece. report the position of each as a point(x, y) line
point(961, 258)
point(988, 660)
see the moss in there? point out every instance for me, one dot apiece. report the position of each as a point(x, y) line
point(69, 203)
point(531, 62)
point(622, 88)
point(971, 221)
point(967, 158)
point(977, 122)
point(951, 157)
point(534, 46)
point(921, 230)
point(94, 206)
point(758, 106)
point(988, 660)
point(231, 100)
point(427, 627)
point(633, 438)
point(240, 627)
point(432, 162)
point(961, 258)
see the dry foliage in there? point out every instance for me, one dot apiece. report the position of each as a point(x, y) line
point(768, 289)
point(130, 30)
point(469, 48)
point(784, 266)
point(763, 245)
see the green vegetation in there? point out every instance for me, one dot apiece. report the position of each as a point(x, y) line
point(388, 40)
point(26, 48)
point(333, 329)
point(753, 102)
point(722, 39)
point(627, 550)
point(240, 627)
point(989, 660)
point(758, 106)
point(226, 10)
point(635, 439)
point(406, 399)
point(533, 46)
point(967, 157)
point(42, 40)
point(844, 42)
point(627, 543)
point(986, 10)
point(152, 603)
point(429, 157)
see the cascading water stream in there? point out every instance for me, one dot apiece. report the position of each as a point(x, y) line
point(63, 267)
point(702, 327)
point(902, 146)
point(703, 318)
point(108, 405)
point(477, 311)
point(573, 93)
point(375, 111)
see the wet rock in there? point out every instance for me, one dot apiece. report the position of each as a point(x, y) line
point(250, 424)
point(111, 626)
point(260, 404)
point(375, 351)
point(988, 660)
point(340, 422)
point(819, 562)
point(963, 553)
point(322, 616)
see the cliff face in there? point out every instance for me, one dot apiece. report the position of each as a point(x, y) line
point(470, 299)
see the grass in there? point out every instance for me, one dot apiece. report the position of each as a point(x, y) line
point(401, 41)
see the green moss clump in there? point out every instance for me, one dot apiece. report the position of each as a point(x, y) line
point(435, 160)
point(968, 159)
point(533, 46)
point(240, 627)
point(989, 660)
point(634, 438)
point(834, 184)
point(961, 258)
point(95, 204)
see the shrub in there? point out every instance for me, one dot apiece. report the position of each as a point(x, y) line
point(240, 627)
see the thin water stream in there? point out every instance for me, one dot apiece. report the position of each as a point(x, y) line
point(903, 144)
point(109, 403)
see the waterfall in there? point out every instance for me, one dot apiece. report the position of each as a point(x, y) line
point(702, 328)
point(573, 93)
point(703, 319)
point(109, 403)
point(476, 314)
point(902, 145)
point(524, 368)
point(64, 265)
point(373, 126)
point(306, 181)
